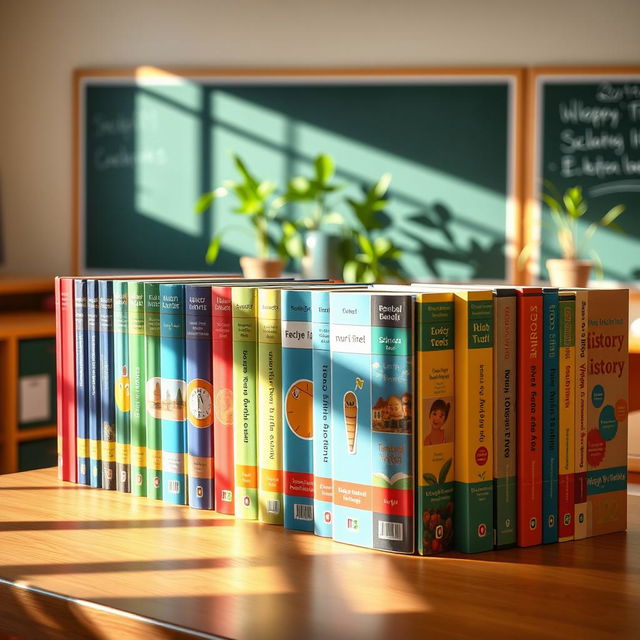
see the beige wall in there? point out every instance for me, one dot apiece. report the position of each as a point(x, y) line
point(41, 41)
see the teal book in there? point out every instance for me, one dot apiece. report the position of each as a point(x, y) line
point(93, 380)
point(82, 381)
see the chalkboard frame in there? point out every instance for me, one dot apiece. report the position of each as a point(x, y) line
point(532, 211)
point(515, 78)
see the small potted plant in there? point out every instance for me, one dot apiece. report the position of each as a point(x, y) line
point(567, 210)
point(257, 201)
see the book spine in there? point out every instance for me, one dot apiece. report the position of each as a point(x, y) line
point(269, 408)
point(550, 405)
point(607, 392)
point(580, 455)
point(222, 354)
point(107, 382)
point(153, 390)
point(566, 416)
point(322, 430)
point(243, 305)
point(82, 386)
point(473, 440)
point(199, 397)
point(392, 451)
point(350, 336)
point(530, 348)
point(122, 386)
point(59, 385)
point(297, 404)
point(504, 430)
point(69, 433)
point(93, 371)
point(435, 409)
point(137, 376)
point(173, 389)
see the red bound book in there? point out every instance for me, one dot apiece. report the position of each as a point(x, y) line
point(529, 430)
point(222, 347)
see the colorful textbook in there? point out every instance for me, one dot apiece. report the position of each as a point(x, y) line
point(82, 387)
point(372, 411)
point(580, 417)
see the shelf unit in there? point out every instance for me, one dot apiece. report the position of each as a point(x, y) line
point(26, 312)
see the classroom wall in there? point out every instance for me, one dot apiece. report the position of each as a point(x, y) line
point(42, 41)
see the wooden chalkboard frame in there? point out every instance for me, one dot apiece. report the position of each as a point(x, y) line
point(516, 77)
point(533, 145)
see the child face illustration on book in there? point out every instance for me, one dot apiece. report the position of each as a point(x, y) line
point(438, 415)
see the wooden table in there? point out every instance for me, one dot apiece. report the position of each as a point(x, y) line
point(86, 563)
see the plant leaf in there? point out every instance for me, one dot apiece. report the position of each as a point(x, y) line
point(611, 215)
point(350, 271)
point(325, 168)
point(242, 169)
point(265, 189)
point(204, 202)
point(442, 476)
point(365, 244)
point(380, 188)
point(214, 249)
point(333, 218)
point(597, 264)
point(430, 479)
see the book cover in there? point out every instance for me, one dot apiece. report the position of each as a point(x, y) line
point(269, 407)
point(153, 390)
point(107, 382)
point(504, 431)
point(550, 410)
point(566, 415)
point(581, 426)
point(173, 393)
point(137, 382)
point(122, 387)
point(82, 381)
point(59, 385)
point(473, 439)
point(69, 430)
point(608, 401)
point(243, 306)
point(297, 409)
point(322, 429)
point(93, 371)
point(529, 435)
point(222, 354)
point(199, 396)
point(435, 421)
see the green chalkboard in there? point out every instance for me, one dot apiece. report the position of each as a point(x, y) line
point(148, 149)
point(589, 135)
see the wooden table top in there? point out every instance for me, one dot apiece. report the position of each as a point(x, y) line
point(74, 559)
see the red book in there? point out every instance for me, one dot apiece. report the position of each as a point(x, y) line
point(222, 347)
point(66, 379)
point(529, 412)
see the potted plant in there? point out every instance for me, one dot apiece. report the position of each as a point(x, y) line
point(567, 210)
point(257, 201)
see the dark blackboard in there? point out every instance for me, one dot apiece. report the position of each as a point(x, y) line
point(148, 148)
point(589, 135)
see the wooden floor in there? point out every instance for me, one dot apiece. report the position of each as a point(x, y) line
point(73, 559)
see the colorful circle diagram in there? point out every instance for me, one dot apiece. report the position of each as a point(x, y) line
point(608, 424)
point(299, 408)
point(597, 396)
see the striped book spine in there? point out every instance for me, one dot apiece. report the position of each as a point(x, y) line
point(173, 388)
point(122, 388)
point(153, 390)
point(82, 382)
point(93, 375)
point(199, 397)
point(137, 377)
point(297, 406)
point(222, 354)
point(581, 427)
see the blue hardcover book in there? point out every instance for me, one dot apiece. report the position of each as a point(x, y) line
point(173, 391)
point(93, 378)
point(321, 378)
point(82, 386)
point(122, 385)
point(199, 396)
point(550, 409)
point(107, 382)
point(297, 409)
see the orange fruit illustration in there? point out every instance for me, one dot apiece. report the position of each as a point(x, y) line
point(299, 408)
point(223, 406)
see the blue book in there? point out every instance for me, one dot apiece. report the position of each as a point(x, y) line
point(550, 409)
point(321, 378)
point(297, 409)
point(82, 386)
point(173, 391)
point(107, 400)
point(93, 392)
point(199, 396)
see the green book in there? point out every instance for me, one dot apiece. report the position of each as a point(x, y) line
point(137, 377)
point(153, 394)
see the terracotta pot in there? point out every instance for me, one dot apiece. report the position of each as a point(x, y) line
point(569, 273)
point(261, 267)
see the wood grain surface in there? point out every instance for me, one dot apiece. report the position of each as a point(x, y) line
point(85, 563)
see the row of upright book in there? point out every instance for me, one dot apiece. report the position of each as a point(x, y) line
point(407, 418)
